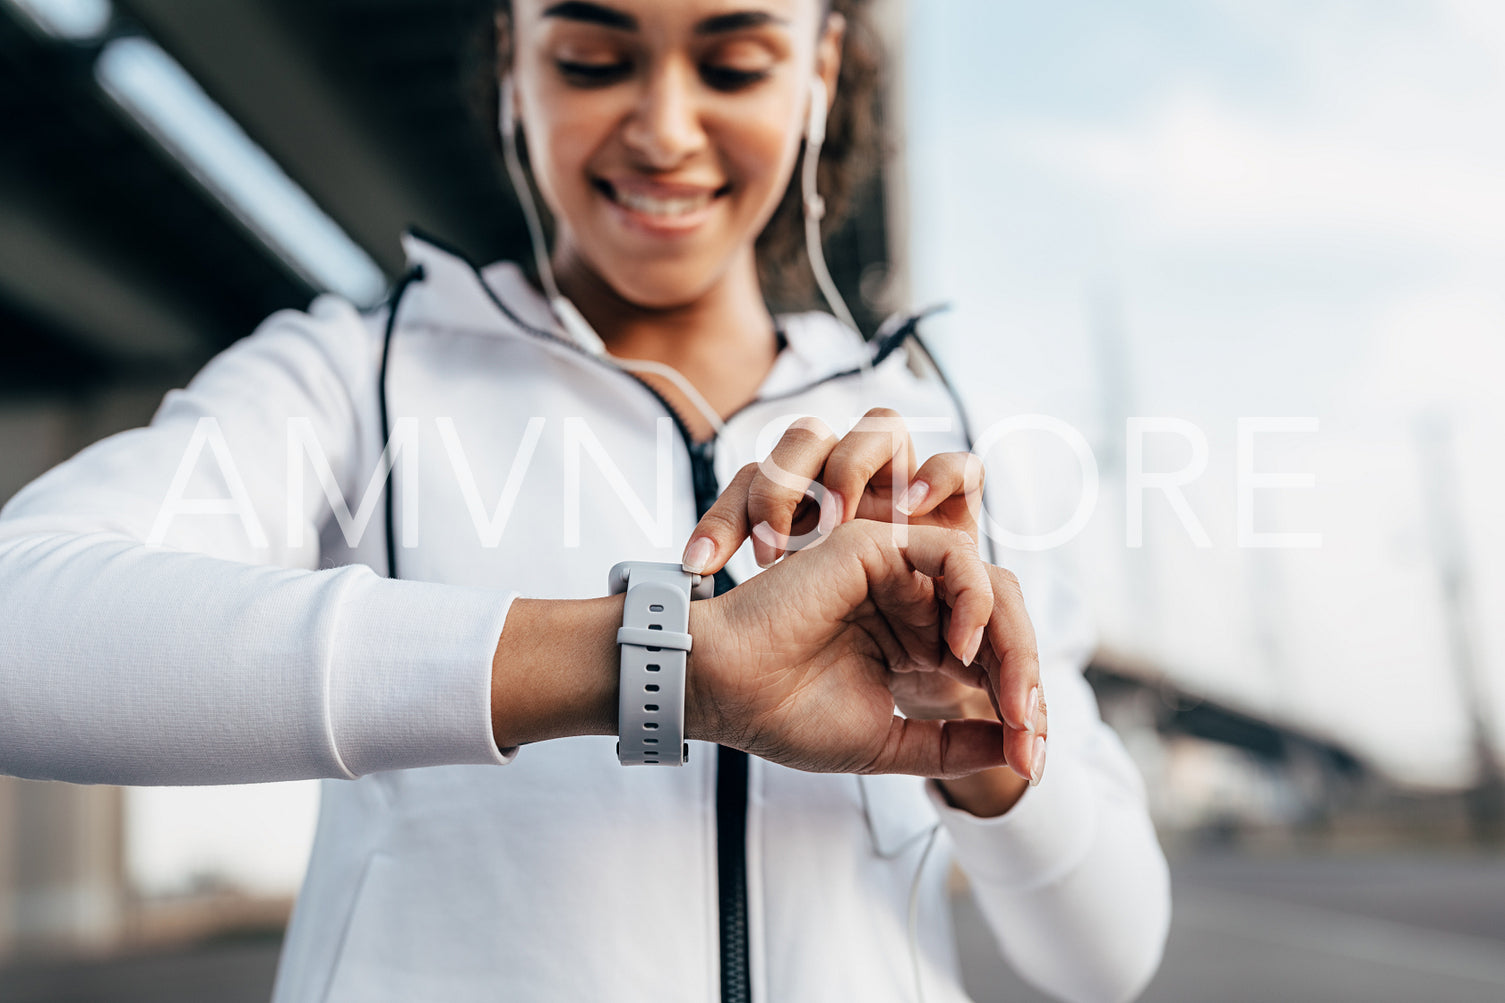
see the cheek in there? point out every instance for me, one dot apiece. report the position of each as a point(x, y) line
point(761, 159)
point(559, 154)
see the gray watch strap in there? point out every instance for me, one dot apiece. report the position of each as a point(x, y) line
point(655, 646)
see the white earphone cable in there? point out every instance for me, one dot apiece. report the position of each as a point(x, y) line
point(579, 329)
point(914, 914)
point(815, 211)
point(677, 378)
point(507, 126)
point(894, 853)
point(570, 318)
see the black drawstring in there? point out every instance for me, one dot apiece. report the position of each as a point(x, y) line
point(414, 274)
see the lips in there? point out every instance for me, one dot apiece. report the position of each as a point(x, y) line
point(663, 203)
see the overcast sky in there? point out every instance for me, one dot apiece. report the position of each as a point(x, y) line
point(1263, 208)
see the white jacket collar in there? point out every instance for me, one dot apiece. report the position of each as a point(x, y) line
point(499, 298)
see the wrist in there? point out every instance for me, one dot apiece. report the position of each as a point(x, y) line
point(703, 720)
point(555, 671)
point(986, 793)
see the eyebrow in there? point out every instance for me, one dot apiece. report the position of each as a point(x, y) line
point(609, 17)
point(592, 13)
point(740, 20)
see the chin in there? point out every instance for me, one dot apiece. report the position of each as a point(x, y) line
point(661, 286)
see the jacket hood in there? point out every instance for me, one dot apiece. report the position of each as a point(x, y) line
point(450, 291)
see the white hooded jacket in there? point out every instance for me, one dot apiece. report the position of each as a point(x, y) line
point(152, 640)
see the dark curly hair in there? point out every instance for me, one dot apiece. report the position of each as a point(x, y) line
point(847, 158)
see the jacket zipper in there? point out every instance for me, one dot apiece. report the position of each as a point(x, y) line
point(731, 790)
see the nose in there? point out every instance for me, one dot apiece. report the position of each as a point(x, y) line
point(664, 128)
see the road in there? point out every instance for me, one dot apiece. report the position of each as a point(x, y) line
point(1376, 928)
point(1380, 928)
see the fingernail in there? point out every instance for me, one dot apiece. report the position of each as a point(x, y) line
point(973, 643)
point(1032, 713)
point(1038, 719)
point(834, 504)
point(698, 554)
point(913, 497)
point(1037, 762)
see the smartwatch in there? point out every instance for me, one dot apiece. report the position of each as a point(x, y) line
point(655, 645)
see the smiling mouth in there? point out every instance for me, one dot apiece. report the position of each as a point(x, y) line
point(665, 207)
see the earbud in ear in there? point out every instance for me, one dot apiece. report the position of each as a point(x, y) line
point(815, 125)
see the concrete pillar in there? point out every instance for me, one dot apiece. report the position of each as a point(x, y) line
point(888, 17)
point(68, 870)
point(62, 874)
point(7, 867)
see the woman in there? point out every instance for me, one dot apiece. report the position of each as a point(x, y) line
point(156, 637)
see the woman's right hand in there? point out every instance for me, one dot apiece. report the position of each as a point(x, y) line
point(869, 473)
point(795, 664)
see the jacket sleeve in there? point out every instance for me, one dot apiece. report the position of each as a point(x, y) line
point(210, 647)
point(1072, 879)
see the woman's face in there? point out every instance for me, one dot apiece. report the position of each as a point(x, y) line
point(662, 133)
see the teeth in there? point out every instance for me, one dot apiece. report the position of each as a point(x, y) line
point(651, 206)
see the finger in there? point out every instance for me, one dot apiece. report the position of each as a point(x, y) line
point(1020, 746)
point(904, 605)
point(722, 529)
point(781, 484)
point(944, 750)
point(950, 555)
point(877, 452)
point(1013, 662)
point(944, 476)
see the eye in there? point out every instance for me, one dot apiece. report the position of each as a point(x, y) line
point(727, 78)
point(593, 74)
point(738, 63)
